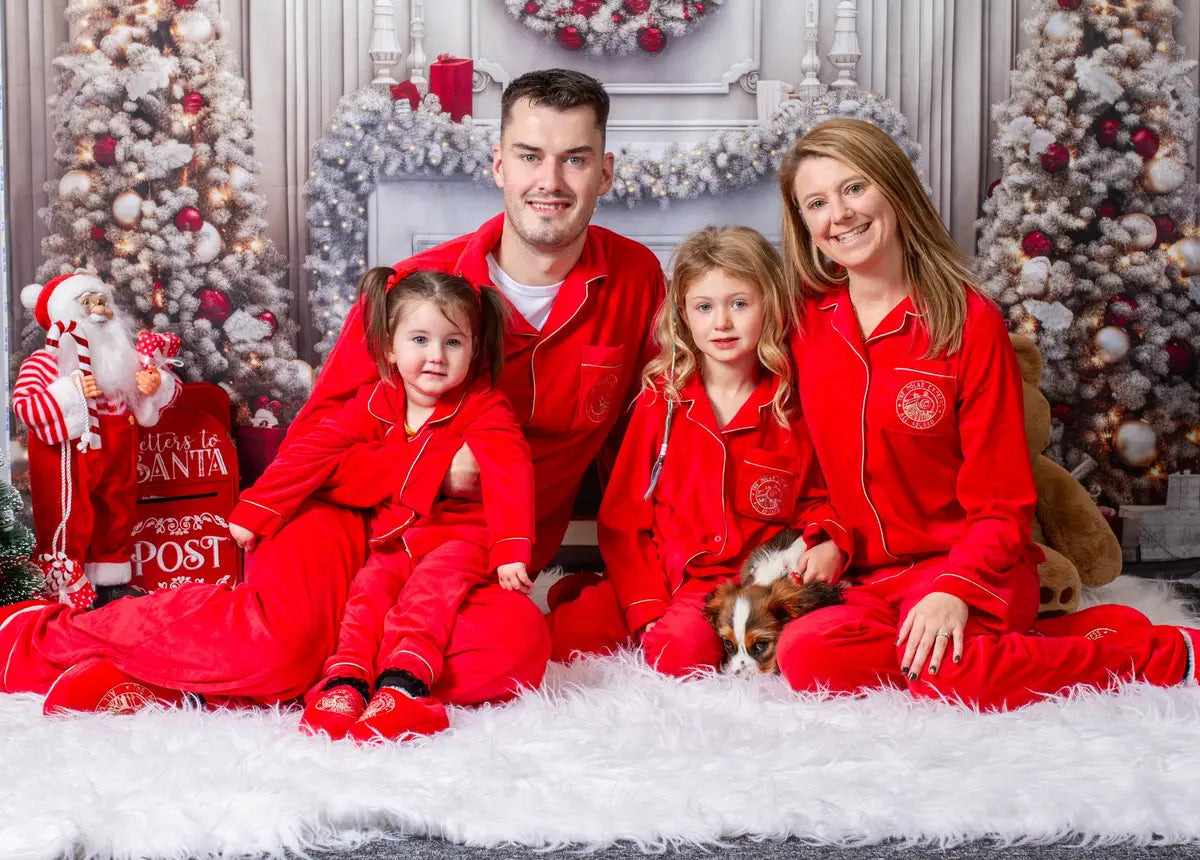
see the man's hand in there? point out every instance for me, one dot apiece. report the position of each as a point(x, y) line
point(514, 577)
point(462, 481)
point(148, 381)
point(90, 388)
point(243, 537)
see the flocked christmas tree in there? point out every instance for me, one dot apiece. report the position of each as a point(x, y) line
point(1089, 241)
point(155, 139)
point(20, 578)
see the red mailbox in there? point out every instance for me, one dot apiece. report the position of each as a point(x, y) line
point(187, 486)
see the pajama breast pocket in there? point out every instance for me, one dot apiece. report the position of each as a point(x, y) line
point(918, 398)
point(767, 485)
point(599, 385)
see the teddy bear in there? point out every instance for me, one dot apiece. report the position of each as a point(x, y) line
point(1080, 547)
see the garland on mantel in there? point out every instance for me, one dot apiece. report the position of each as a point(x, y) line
point(614, 27)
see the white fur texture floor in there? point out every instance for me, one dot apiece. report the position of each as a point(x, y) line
point(610, 751)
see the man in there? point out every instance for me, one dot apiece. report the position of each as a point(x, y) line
point(584, 298)
point(82, 397)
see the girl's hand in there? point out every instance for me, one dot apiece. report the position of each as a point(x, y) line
point(821, 563)
point(243, 537)
point(936, 621)
point(514, 577)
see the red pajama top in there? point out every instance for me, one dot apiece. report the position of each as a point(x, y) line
point(568, 384)
point(722, 492)
point(411, 471)
point(924, 456)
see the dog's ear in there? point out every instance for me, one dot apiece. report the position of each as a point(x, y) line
point(814, 595)
point(784, 599)
point(716, 600)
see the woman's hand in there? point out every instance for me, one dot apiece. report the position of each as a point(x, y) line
point(243, 537)
point(821, 563)
point(936, 621)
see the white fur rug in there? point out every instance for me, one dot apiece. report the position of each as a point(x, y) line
point(611, 751)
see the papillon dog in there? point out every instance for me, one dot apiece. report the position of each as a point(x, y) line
point(750, 613)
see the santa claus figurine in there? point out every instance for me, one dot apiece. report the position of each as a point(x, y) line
point(82, 396)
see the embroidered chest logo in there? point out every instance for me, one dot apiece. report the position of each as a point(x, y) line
point(920, 404)
point(767, 494)
point(600, 399)
point(127, 697)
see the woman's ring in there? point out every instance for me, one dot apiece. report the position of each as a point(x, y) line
point(936, 635)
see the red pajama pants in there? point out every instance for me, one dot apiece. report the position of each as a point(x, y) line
point(680, 642)
point(852, 647)
point(266, 639)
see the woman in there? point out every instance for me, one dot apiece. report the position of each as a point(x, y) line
point(912, 394)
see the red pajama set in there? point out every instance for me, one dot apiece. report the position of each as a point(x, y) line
point(722, 492)
point(926, 457)
point(427, 553)
point(268, 637)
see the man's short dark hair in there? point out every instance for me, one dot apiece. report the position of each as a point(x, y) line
point(561, 89)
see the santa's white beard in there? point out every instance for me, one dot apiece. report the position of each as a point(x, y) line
point(114, 358)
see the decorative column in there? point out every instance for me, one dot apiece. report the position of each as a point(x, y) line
point(416, 52)
point(810, 87)
point(844, 53)
point(385, 47)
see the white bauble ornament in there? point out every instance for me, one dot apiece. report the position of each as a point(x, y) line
point(194, 27)
point(1034, 275)
point(75, 183)
point(239, 177)
point(127, 208)
point(1058, 27)
point(1136, 444)
point(305, 372)
point(1163, 175)
point(1142, 231)
point(1112, 344)
point(1186, 255)
point(208, 243)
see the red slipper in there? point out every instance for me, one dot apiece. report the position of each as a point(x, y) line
point(393, 716)
point(1095, 622)
point(98, 685)
point(333, 712)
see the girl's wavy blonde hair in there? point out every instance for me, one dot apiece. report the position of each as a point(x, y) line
point(935, 270)
point(739, 252)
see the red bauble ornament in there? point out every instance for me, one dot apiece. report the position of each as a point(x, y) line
point(104, 151)
point(569, 38)
point(1145, 142)
point(1107, 131)
point(617, 18)
point(189, 220)
point(637, 7)
point(587, 8)
point(1179, 358)
point(97, 234)
point(699, 7)
point(992, 188)
point(531, 8)
point(1061, 412)
point(1037, 244)
point(193, 103)
point(269, 319)
point(214, 306)
point(1107, 208)
point(185, 4)
point(651, 39)
point(1055, 158)
point(1069, 4)
point(1120, 317)
point(1166, 229)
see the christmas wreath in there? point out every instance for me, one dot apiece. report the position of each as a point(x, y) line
point(612, 26)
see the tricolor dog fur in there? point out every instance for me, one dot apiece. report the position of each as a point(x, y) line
point(750, 613)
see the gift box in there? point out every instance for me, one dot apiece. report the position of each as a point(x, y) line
point(450, 79)
point(406, 90)
point(187, 486)
point(1159, 533)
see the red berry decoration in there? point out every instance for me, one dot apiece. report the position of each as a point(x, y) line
point(1166, 229)
point(193, 103)
point(637, 7)
point(587, 8)
point(104, 151)
point(97, 234)
point(214, 306)
point(651, 39)
point(269, 319)
point(1055, 158)
point(1037, 244)
point(1069, 4)
point(1107, 208)
point(1145, 142)
point(1120, 311)
point(699, 7)
point(531, 8)
point(992, 187)
point(185, 4)
point(1107, 131)
point(1179, 358)
point(1061, 412)
point(617, 18)
point(569, 38)
point(189, 220)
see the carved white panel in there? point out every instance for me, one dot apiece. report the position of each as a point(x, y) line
point(719, 53)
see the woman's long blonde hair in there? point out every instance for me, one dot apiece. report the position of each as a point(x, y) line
point(739, 252)
point(936, 273)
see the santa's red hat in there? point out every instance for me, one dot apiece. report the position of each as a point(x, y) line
point(55, 301)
